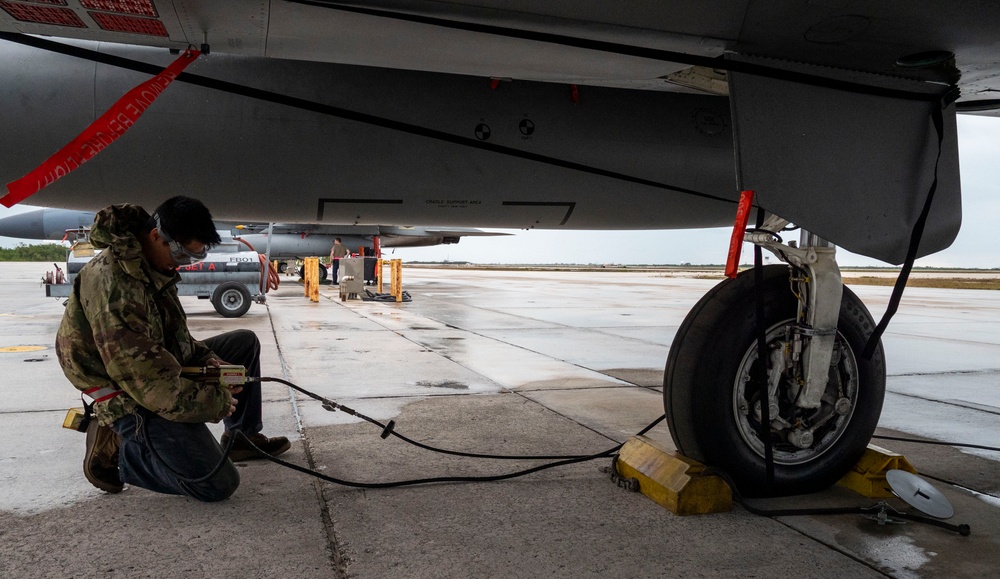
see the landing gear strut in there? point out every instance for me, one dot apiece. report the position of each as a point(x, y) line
point(824, 399)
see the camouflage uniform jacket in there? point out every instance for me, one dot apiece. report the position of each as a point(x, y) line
point(125, 328)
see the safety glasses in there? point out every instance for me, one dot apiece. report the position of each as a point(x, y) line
point(180, 254)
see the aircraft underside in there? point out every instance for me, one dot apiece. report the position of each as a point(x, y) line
point(569, 117)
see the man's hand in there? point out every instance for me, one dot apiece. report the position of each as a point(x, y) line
point(233, 391)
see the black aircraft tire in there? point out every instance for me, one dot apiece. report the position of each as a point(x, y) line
point(322, 273)
point(700, 390)
point(231, 299)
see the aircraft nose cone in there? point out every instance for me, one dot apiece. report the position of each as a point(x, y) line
point(27, 225)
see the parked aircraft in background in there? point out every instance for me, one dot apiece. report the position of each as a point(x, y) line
point(566, 114)
point(287, 241)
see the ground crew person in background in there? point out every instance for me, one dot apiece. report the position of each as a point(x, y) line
point(338, 251)
point(124, 339)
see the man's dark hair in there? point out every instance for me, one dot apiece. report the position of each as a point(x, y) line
point(185, 219)
point(336, 239)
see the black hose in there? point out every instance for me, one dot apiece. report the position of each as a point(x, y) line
point(386, 430)
point(962, 529)
point(441, 479)
point(938, 442)
point(156, 454)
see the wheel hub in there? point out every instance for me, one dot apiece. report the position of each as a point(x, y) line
point(232, 299)
point(798, 435)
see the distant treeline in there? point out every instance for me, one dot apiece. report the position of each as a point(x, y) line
point(42, 252)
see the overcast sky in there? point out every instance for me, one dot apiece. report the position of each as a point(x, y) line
point(979, 143)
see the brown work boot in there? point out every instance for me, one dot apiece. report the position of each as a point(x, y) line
point(100, 463)
point(242, 450)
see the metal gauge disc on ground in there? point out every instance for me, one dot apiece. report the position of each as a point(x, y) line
point(919, 493)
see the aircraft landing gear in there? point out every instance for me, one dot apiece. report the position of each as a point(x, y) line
point(322, 273)
point(824, 399)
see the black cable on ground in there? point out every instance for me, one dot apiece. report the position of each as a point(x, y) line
point(566, 461)
point(442, 479)
point(371, 296)
point(879, 509)
point(882, 507)
point(937, 442)
point(388, 429)
point(144, 425)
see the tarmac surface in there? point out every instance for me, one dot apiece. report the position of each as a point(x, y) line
point(502, 362)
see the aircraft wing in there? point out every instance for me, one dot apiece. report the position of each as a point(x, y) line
point(438, 232)
point(560, 114)
point(288, 240)
point(391, 236)
point(302, 229)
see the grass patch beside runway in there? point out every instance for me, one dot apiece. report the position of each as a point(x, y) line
point(942, 282)
point(942, 278)
point(984, 283)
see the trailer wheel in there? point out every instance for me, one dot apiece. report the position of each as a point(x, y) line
point(231, 299)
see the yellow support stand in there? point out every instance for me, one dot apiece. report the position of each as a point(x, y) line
point(671, 480)
point(867, 478)
point(397, 279)
point(311, 278)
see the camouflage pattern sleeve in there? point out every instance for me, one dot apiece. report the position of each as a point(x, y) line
point(128, 332)
point(202, 353)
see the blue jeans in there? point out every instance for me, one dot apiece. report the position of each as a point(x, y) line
point(243, 348)
point(157, 453)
